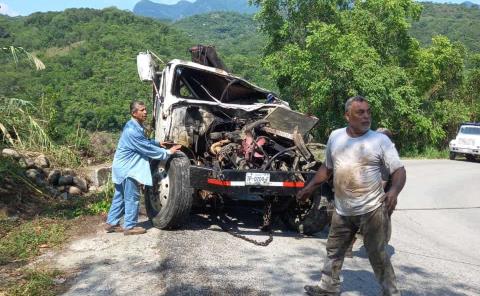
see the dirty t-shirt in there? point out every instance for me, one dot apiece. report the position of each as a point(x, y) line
point(357, 165)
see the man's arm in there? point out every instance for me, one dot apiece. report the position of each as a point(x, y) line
point(149, 148)
point(399, 177)
point(321, 176)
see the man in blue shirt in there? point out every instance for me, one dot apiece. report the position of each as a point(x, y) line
point(130, 169)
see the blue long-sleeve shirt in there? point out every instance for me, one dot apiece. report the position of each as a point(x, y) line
point(132, 155)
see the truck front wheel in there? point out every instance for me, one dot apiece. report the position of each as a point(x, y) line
point(452, 155)
point(169, 201)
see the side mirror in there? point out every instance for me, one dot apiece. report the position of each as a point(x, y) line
point(145, 66)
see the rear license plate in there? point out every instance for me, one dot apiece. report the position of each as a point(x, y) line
point(257, 179)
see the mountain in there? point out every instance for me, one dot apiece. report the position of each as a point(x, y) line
point(184, 8)
point(469, 4)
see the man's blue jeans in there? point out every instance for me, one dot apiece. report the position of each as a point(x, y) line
point(125, 199)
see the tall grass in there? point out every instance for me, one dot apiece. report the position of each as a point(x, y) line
point(427, 153)
point(22, 127)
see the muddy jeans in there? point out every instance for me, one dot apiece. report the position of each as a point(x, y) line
point(375, 228)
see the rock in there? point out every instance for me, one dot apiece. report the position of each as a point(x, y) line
point(40, 181)
point(59, 280)
point(26, 163)
point(74, 190)
point(3, 213)
point(65, 180)
point(80, 183)
point(53, 192)
point(53, 177)
point(68, 172)
point(41, 161)
point(92, 189)
point(33, 174)
point(7, 152)
point(99, 175)
point(46, 171)
point(61, 188)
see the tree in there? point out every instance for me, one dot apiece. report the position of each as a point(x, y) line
point(322, 52)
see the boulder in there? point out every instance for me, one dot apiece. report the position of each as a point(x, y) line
point(53, 192)
point(53, 177)
point(74, 190)
point(65, 180)
point(99, 175)
point(26, 163)
point(7, 152)
point(80, 183)
point(41, 161)
point(33, 174)
point(68, 172)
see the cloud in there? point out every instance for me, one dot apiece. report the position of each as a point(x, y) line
point(5, 10)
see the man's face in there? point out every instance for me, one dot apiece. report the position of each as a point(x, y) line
point(140, 114)
point(359, 117)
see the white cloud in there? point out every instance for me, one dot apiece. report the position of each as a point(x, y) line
point(5, 10)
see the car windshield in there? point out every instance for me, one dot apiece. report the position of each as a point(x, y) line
point(470, 130)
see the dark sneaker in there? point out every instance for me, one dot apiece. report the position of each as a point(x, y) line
point(317, 291)
point(134, 230)
point(112, 228)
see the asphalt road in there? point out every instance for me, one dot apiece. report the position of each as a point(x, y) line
point(435, 249)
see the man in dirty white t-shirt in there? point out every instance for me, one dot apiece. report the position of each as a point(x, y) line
point(356, 156)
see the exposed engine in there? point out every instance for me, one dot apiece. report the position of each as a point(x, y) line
point(251, 140)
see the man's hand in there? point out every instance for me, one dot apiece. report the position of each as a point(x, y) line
point(320, 176)
point(175, 148)
point(304, 194)
point(391, 201)
point(165, 144)
point(399, 178)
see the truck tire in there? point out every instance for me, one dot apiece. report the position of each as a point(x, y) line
point(470, 157)
point(452, 155)
point(169, 201)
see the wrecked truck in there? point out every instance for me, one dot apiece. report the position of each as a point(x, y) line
point(239, 142)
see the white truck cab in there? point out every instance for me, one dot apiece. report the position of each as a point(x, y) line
point(467, 141)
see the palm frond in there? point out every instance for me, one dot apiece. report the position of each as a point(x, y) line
point(16, 52)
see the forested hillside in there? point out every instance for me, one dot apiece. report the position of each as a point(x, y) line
point(457, 22)
point(184, 9)
point(91, 63)
point(91, 73)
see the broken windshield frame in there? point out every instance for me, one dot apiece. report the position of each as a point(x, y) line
point(196, 84)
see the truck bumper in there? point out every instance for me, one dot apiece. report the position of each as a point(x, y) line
point(460, 150)
point(251, 182)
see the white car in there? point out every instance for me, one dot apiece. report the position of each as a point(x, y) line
point(467, 141)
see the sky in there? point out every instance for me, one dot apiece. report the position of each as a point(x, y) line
point(26, 7)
